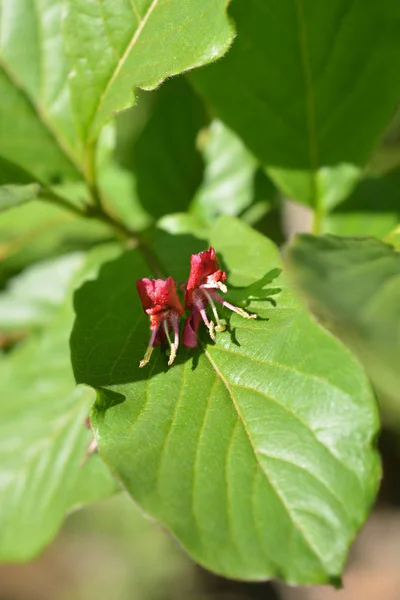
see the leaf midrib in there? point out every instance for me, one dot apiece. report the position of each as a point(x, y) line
point(310, 102)
point(262, 469)
point(42, 116)
point(122, 60)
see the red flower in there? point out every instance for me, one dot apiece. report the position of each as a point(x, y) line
point(161, 303)
point(204, 279)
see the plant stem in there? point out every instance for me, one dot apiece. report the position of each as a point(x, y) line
point(319, 215)
point(90, 174)
point(97, 212)
point(50, 196)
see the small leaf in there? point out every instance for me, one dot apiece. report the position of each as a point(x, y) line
point(256, 452)
point(43, 440)
point(373, 209)
point(354, 283)
point(293, 87)
point(230, 179)
point(13, 195)
point(114, 45)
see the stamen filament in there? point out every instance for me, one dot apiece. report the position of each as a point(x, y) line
point(209, 324)
point(146, 357)
point(220, 326)
point(236, 309)
point(173, 345)
point(167, 332)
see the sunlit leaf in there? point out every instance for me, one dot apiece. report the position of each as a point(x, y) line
point(114, 45)
point(37, 130)
point(255, 451)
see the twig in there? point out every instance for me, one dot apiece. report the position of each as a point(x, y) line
point(90, 211)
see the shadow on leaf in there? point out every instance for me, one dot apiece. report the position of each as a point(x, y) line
point(111, 332)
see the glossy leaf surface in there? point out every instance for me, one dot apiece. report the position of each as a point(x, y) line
point(255, 451)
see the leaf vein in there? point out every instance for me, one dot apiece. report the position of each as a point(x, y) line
point(124, 57)
point(306, 425)
point(297, 525)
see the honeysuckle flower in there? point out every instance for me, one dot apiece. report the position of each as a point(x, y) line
point(161, 303)
point(205, 279)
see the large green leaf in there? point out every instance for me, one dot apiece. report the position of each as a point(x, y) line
point(67, 66)
point(355, 284)
point(294, 87)
point(37, 128)
point(43, 439)
point(256, 451)
point(167, 165)
point(115, 44)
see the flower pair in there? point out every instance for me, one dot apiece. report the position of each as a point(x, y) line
point(161, 303)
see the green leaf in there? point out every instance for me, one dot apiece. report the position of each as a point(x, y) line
point(37, 130)
point(67, 66)
point(93, 483)
point(294, 87)
point(355, 285)
point(43, 439)
point(256, 452)
point(113, 45)
point(119, 187)
point(231, 179)
point(394, 238)
point(373, 209)
point(13, 195)
point(167, 165)
point(32, 298)
point(39, 230)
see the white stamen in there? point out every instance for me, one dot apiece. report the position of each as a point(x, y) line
point(209, 324)
point(220, 326)
point(215, 285)
point(236, 309)
point(222, 287)
point(173, 346)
